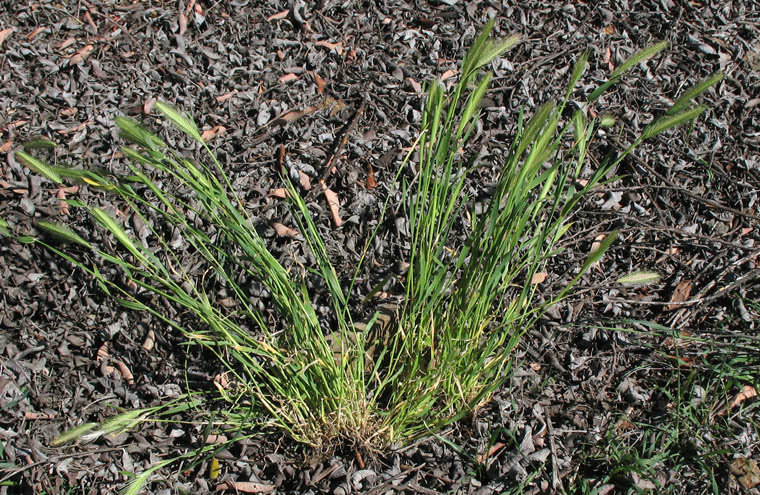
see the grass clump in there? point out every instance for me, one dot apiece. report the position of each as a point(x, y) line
point(465, 304)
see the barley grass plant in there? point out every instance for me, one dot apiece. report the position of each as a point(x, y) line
point(465, 305)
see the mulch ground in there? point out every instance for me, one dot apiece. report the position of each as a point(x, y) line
point(333, 91)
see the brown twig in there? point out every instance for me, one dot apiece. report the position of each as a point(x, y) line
point(349, 128)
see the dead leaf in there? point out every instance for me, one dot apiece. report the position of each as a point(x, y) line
point(75, 129)
point(280, 192)
point(747, 392)
point(538, 278)
point(608, 29)
point(182, 20)
point(65, 43)
point(319, 81)
point(535, 366)
point(746, 471)
point(4, 34)
point(150, 341)
point(35, 32)
point(371, 182)
point(225, 97)
point(88, 17)
point(284, 230)
point(448, 74)
point(6, 146)
point(680, 294)
point(215, 131)
point(246, 487)
point(595, 247)
point(494, 449)
point(221, 381)
point(227, 302)
point(417, 87)
point(38, 415)
point(337, 47)
point(125, 373)
point(333, 202)
point(304, 180)
point(279, 15)
point(102, 353)
point(61, 195)
point(81, 55)
point(215, 438)
point(148, 105)
point(288, 77)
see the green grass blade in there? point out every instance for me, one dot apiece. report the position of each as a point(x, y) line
point(696, 90)
point(38, 166)
point(110, 224)
point(667, 122)
point(636, 58)
point(181, 121)
point(72, 434)
point(639, 278)
point(40, 143)
point(63, 233)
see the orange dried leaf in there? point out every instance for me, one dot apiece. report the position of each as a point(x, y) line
point(148, 105)
point(37, 415)
point(102, 353)
point(288, 77)
point(284, 230)
point(4, 34)
point(62, 204)
point(182, 20)
point(747, 392)
point(746, 471)
point(608, 29)
point(279, 15)
point(448, 74)
point(333, 202)
point(65, 43)
point(215, 438)
point(371, 182)
point(494, 449)
point(304, 180)
point(90, 21)
point(538, 278)
point(215, 131)
point(80, 56)
point(280, 192)
point(417, 87)
point(337, 47)
point(6, 146)
point(225, 97)
point(221, 381)
point(125, 373)
point(319, 81)
point(150, 341)
point(245, 487)
point(680, 294)
point(35, 32)
point(595, 247)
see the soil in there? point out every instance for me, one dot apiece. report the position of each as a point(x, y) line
point(333, 91)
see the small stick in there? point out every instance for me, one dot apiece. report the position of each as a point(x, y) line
point(343, 140)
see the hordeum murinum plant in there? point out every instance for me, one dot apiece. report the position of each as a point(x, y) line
point(406, 372)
